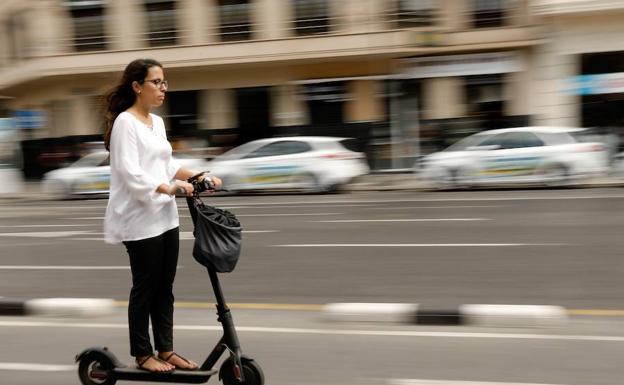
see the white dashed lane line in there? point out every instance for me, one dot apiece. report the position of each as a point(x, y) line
point(36, 367)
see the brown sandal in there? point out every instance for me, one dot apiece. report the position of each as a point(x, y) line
point(183, 359)
point(151, 356)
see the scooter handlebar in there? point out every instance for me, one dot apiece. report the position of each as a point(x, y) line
point(201, 183)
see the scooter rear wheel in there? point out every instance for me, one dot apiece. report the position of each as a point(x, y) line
point(252, 372)
point(92, 371)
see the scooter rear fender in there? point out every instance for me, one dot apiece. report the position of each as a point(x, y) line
point(100, 352)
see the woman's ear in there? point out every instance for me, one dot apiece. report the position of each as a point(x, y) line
point(136, 87)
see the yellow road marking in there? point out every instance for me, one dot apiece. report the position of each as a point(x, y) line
point(597, 312)
point(318, 307)
point(254, 306)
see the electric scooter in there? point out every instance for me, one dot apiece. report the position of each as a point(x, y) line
point(99, 366)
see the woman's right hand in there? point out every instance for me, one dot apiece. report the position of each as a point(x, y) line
point(181, 187)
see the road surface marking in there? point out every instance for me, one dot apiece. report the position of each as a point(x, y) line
point(420, 244)
point(59, 267)
point(597, 312)
point(399, 200)
point(184, 235)
point(301, 205)
point(71, 207)
point(437, 207)
point(413, 381)
point(45, 234)
point(29, 367)
point(344, 332)
point(406, 220)
point(253, 306)
point(82, 225)
point(286, 214)
point(30, 244)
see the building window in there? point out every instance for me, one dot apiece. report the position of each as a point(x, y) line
point(89, 24)
point(16, 38)
point(489, 13)
point(182, 112)
point(234, 20)
point(415, 13)
point(326, 102)
point(602, 101)
point(311, 17)
point(485, 100)
point(161, 22)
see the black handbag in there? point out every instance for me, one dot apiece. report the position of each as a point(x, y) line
point(218, 238)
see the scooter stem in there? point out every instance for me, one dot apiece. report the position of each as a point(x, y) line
point(230, 338)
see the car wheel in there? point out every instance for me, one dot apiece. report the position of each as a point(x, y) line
point(448, 179)
point(554, 175)
point(230, 184)
point(307, 182)
point(55, 189)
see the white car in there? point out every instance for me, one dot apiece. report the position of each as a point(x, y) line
point(90, 175)
point(307, 163)
point(524, 155)
point(617, 168)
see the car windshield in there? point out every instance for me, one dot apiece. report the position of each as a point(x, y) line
point(469, 141)
point(238, 152)
point(91, 160)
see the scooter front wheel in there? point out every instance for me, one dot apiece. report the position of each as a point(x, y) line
point(93, 371)
point(252, 372)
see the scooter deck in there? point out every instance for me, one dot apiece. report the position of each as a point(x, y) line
point(183, 376)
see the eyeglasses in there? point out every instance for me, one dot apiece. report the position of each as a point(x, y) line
point(159, 83)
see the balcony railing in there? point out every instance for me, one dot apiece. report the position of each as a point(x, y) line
point(561, 7)
point(235, 20)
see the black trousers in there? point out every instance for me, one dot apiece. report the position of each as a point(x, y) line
point(153, 262)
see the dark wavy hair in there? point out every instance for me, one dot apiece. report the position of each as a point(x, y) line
point(121, 97)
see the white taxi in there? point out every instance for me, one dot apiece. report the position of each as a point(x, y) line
point(525, 155)
point(303, 163)
point(90, 176)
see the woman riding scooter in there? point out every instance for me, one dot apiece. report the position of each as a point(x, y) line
point(142, 212)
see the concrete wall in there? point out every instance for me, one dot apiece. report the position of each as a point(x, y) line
point(287, 107)
point(218, 108)
point(365, 104)
point(443, 98)
point(126, 24)
point(558, 59)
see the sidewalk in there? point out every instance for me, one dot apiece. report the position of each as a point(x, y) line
point(372, 182)
point(412, 181)
point(29, 191)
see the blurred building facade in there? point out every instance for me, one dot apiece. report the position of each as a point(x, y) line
point(405, 76)
point(579, 68)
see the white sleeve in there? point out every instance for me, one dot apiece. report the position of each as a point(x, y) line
point(125, 163)
point(173, 165)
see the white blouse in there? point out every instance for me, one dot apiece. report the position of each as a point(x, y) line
point(140, 161)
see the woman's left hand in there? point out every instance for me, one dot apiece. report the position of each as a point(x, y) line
point(216, 181)
point(181, 187)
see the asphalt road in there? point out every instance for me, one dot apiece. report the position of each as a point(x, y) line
point(559, 247)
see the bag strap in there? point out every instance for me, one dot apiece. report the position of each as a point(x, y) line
point(198, 203)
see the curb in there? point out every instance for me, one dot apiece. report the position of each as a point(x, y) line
point(387, 183)
point(57, 307)
point(469, 314)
